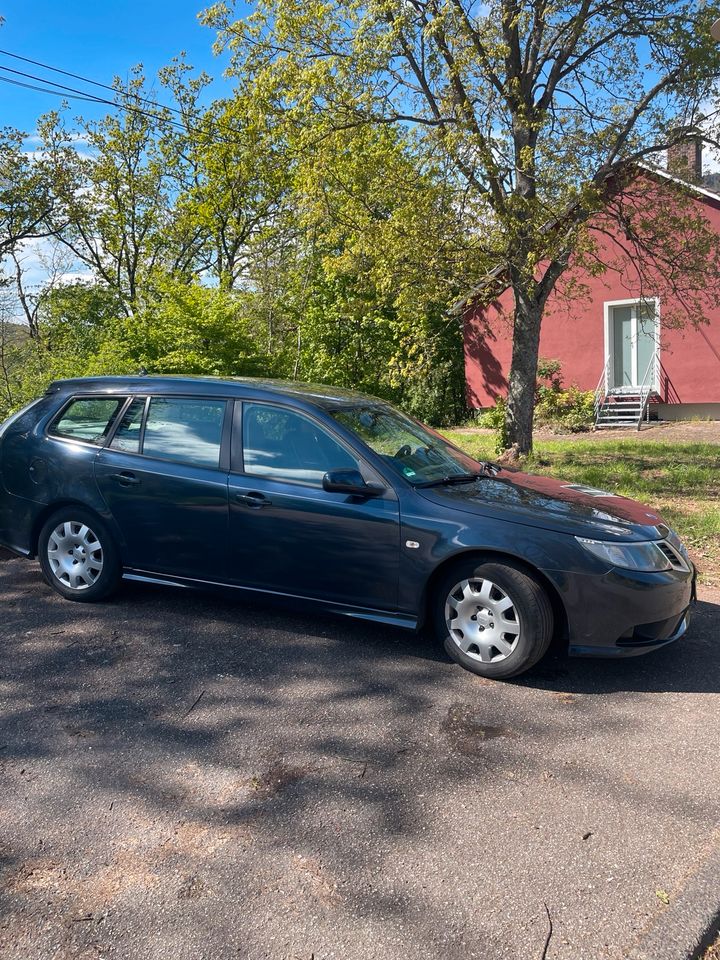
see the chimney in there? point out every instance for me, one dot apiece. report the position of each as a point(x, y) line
point(684, 159)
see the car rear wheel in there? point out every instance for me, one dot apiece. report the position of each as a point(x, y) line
point(495, 619)
point(78, 556)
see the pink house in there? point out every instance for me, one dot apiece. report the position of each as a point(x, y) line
point(618, 337)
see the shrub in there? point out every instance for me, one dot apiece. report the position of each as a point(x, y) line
point(494, 417)
point(572, 409)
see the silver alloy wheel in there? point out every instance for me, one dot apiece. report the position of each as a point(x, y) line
point(75, 555)
point(481, 619)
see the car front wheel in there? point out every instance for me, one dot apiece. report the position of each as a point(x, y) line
point(494, 619)
point(78, 556)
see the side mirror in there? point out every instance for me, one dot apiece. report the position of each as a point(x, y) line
point(350, 482)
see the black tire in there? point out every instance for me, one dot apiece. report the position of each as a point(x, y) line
point(530, 611)
point(90, 573)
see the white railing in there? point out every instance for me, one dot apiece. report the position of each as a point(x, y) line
point(647, 387)
point(601, 391)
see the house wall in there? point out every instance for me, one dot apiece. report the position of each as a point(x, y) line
point(574, 333)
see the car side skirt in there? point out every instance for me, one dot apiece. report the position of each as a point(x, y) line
point(393, 619)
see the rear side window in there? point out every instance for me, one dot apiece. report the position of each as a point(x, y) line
point(186, 430)
point(127, 435)
point(88, 418)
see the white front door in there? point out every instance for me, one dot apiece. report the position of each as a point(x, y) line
point(632, 339)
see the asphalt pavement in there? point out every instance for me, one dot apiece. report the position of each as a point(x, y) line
point(188, 776)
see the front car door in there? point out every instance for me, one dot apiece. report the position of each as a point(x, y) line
point(163, 476)
point(287, 534)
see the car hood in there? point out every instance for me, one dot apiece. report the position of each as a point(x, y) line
point(552, 504)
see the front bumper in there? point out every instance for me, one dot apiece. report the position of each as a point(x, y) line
point(626, 613)
point(669, 631)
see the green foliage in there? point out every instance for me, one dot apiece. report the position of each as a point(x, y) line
point(571, 410)
point(538, 110)
point(494, 417)
point(549, 376)
point(568, 410)
point(188, 328)
point(25, 199)
point(373, 163)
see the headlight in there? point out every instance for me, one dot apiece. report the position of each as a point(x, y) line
point(631, 556)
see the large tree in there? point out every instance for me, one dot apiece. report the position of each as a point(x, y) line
point(25, 202)
point(539, 106)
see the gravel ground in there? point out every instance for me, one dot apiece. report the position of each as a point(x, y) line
point(187, 776)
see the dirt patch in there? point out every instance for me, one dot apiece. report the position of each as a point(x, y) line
point(277, 777)
point(192, 889)
point(127, 871)
point(316, 882)
point(566, 698)
point(195, 840)
point(36, 875)
point(465, 732)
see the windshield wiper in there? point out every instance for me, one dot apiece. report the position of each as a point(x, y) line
point(488, 470)
point(454, 478)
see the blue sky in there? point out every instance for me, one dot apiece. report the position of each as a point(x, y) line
point(98, 40)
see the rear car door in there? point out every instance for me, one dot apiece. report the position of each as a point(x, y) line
point(287, 534)
point(163, 476)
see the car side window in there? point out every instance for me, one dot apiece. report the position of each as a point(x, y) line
point(87, 418)
point(127, 435)
point(283, 445)
point(184, 429)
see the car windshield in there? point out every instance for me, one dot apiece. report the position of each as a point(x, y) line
point(413, 451)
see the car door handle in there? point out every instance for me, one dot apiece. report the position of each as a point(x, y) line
point(254, 500)
point(125, 479)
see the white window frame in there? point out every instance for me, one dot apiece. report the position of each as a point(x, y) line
point(610, 341)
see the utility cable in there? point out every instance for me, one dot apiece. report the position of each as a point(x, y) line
point(77, 76)
point(73, 93)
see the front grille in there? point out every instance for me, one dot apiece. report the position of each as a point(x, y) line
point(674, 558)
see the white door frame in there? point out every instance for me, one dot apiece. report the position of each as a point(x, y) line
point(610, 341)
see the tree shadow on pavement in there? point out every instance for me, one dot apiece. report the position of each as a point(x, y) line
point(188, 775)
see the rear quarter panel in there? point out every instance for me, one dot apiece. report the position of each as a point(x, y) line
point(38, 472)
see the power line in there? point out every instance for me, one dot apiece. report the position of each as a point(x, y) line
point(59, 93)
point(77, 76)
point(72, 93)
point(63, 90)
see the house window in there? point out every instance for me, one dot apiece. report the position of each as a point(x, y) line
point(633, 339)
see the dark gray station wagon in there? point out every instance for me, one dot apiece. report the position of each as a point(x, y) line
point(326, 496)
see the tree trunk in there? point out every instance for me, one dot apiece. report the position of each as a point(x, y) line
point(523, 374)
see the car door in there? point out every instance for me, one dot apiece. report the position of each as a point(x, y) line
point(287, 534)
point(163, 476)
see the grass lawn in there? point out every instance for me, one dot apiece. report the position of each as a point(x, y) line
point(681, 480)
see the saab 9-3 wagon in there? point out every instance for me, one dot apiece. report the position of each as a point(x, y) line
point(324, 496)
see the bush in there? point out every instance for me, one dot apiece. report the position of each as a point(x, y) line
point(572, 410)
point(569, 410)
point(494, 417)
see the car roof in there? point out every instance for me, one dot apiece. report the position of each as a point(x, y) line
point(182, 385)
